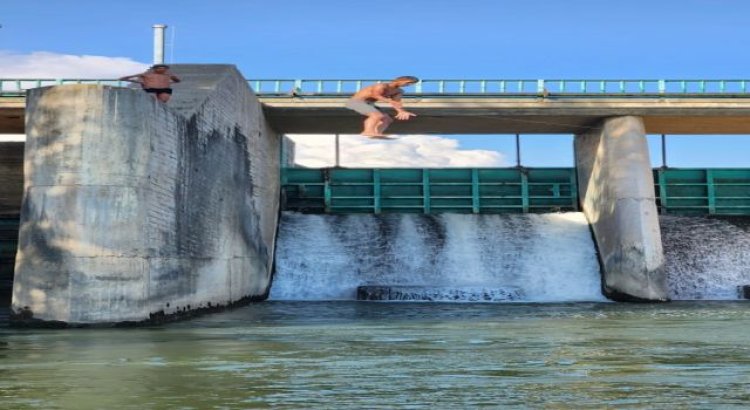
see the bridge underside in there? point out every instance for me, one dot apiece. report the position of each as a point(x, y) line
point(12, 113)
point(521, 115)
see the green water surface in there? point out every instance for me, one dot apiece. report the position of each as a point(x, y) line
point(303, 355)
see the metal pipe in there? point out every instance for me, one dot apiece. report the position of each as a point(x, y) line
point(518, 150)
point(159, 43)
point(663, 151)
point(338, 152)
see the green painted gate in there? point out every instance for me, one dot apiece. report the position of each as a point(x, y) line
point(497, 190)
point(694, 191)
point(429, 190)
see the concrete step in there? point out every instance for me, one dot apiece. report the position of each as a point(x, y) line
point(439, 293)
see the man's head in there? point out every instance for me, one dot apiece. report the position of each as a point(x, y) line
point(160, 68)
point(405, 80)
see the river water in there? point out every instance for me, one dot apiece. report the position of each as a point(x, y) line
point(559, 345)
point(393, 355)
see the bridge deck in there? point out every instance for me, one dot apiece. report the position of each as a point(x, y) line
point(681, 110)
point(12, 113)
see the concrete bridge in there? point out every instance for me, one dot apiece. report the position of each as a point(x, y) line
point(134, 211)
point(475, 107)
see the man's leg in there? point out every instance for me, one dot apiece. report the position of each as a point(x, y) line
point(163, 97)
point(383, 123)
point(371, 124)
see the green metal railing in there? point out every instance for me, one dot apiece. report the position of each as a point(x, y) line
point(18, 87)
point(498, 190)
point(511, 87)
point(466, 87)
point(402, 190)
point(718, 191)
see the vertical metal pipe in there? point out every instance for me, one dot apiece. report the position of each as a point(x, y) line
point(518, 150)
point(338, 152)
point(663, 151)
point(159, 43)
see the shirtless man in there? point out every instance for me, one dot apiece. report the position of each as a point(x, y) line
point(155, 80)
point(377, 121)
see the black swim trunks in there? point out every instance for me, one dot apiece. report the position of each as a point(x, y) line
point(158, 90)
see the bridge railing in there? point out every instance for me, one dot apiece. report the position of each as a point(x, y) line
point(461, 87)
point(18, 86)
point(511, 87)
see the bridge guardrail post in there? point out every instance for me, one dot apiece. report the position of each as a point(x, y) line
point(540, 87)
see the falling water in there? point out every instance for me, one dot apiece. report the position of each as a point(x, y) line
point(706, 258)
point(537, 257)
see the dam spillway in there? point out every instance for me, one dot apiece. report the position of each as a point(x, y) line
point(541, 257)
point(706, 258)
point(548, 257)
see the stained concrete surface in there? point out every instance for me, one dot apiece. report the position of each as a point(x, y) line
point(135, 209)
point(615, 184)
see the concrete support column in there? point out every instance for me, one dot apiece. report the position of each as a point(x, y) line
point(138, 211)
point(616, 187)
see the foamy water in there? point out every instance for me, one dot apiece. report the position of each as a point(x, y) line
point(705, 258)
point(548, 257)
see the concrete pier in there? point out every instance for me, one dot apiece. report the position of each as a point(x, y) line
point(135, 210)
point(616, 188)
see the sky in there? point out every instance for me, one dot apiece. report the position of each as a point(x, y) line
point(431, 39)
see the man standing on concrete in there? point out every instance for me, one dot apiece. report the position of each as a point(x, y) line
point(156, 80)
point(377, 121)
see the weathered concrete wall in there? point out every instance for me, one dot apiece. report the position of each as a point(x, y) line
point(616, 187)
point(133, 208)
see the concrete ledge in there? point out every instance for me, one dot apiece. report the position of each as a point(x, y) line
point(616, 188)
point(438, 294)
point(133, 208)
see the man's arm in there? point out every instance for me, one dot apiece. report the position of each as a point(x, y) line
point(138, 78)
point(173, 77)
point(378, 93)
point(394, 100)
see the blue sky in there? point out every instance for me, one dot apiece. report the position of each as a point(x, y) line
point(426, 38)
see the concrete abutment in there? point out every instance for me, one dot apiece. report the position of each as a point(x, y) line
point(616, 188)
point(135, 210)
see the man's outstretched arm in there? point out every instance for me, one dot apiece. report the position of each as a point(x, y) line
point(135, 78)
point(173, 77)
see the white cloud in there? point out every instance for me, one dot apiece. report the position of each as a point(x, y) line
point(42, 64)
point(311, 150)
point(406, 151)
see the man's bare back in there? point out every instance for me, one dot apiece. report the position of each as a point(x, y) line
point(377, 121)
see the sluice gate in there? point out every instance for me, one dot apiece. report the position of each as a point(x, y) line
point(678, 191)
